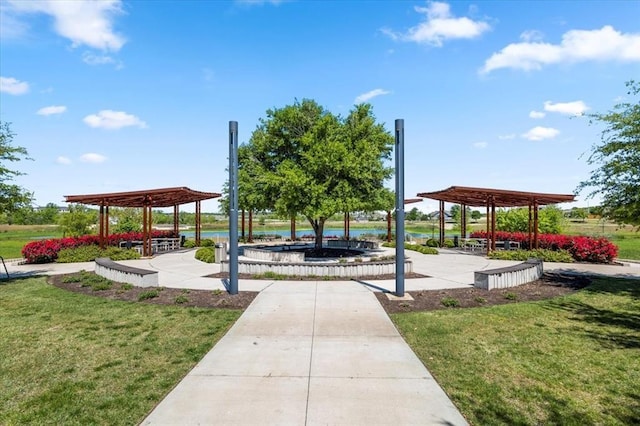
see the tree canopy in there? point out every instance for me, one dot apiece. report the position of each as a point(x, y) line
point(12, 197)
point(617, 157)
point(302, 159)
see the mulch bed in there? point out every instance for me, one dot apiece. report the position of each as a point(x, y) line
point(166, 296)
point(549, 286)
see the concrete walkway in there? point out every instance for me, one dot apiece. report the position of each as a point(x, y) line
point(311, 353)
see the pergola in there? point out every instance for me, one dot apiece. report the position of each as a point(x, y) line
point(490, 198)
point(147, 200)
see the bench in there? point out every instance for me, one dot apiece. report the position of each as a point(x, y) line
point(113, 271)
point(510, 276)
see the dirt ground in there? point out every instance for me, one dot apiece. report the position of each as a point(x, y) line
point(166, 296)
point(546, 288)
point(549, 286)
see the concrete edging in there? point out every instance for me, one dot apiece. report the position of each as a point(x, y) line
point(113, 271)
point(350, 269)
point(510, 276)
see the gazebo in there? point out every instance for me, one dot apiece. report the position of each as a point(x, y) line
point(147, 200)
point(490, 198)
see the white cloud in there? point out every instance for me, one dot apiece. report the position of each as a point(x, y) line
point(63, 160)
point(540, 133)
point(439, 25)
point(12, 86)
point(93, 59)
point(51, 110)
point(92, 157)
point(537, 114)
point(568, 108)
point(370, 95)
point(531, 36)
point(605, 44)
point(480, 145)
point(507, 137)
point(111, 120)
point(84, 22)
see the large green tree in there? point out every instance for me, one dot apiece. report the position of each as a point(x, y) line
point(301, 159)
point(12, 197)
point(617, 159)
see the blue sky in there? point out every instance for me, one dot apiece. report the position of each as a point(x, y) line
point(113, 96)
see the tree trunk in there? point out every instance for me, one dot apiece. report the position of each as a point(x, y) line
point(318, 228)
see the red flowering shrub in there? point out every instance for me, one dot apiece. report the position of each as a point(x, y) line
point(45, 251)
point(583, 249)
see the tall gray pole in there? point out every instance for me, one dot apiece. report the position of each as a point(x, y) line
point(400, 208)
point(233, 207)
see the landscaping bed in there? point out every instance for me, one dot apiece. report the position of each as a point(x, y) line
point(549, 286)
point(161, 295)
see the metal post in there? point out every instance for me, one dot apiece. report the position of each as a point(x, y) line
point(233, 207)
point(400, 208)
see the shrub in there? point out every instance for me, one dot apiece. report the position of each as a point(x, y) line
point(414, 247)
point(543, 254)
point(45, 251)
point(90, 253)
point(126, 286)
point(581, 248)
point(510, 296)
point(448, 243)
point(480, 300)
point(449, 302)
point(181, 298)
point(189, 244)
point(207, 243)
point(432, 243)
point(217, 292)
point(205, 254)
point(149, 294)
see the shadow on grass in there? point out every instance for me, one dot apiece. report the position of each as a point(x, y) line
point(621, 322)
point(545, 405)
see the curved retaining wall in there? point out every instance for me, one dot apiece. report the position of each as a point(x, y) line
point(510, 276)
point(351, 269)
point(113, 271)
point(274, 256)
point(359, 244)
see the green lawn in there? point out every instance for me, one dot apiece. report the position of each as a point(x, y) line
point(67, 358)
point(14, 237)
point(574, 360)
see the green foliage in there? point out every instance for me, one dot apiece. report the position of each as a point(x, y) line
point(12, 197)
point(617, 159)
point(510, 296)
point(91, 252)
point(126, 286)
point(304, 160)
point(550, 220)
point(414, 247)
point(546, 255)
point(181, 298)
point(148, 294)
point(449, 244)
point(208, 242)
point(271, 276)
point(431, 242)
point(450, 302)
point(217, 292)
point(77, 220)
point(206, 254)
point(189, 243)
point(129, 219)
point(88, 279)
point(480, 300)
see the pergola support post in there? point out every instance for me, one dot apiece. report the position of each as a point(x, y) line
point(176, 220)
point(535, 225)
point(493, 224)
point(441, 224)
point(101, 224)
point(389, 226)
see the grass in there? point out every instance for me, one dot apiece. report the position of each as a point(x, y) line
point(14, 237)
point(573, 360)
point(72, 359)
